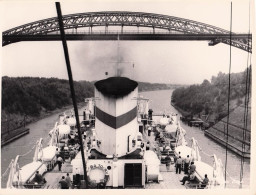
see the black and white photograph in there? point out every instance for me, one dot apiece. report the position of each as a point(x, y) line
point(127, 97)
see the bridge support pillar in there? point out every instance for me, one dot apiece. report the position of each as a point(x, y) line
point(122, 29)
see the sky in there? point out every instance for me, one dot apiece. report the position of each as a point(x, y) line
point(176, 62)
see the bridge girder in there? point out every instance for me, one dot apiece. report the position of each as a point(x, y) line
point(121, 18)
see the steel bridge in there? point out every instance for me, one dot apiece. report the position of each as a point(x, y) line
point(172, 28)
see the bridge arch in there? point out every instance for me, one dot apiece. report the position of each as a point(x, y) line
point(125, 18)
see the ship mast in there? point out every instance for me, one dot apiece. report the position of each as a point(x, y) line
point(71, 83)
point(118, 72)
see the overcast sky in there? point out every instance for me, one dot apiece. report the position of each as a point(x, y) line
point(180, 62)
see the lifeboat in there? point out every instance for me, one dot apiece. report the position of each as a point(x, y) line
point(64, 130)
point(28, 171)
point(48, 153)
point(164, 121)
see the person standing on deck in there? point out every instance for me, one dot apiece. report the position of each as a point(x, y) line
point(175, 158)
point(192, 168)
point(72, 154)
point(57, 152)
point(168, 162)
point(178, 165)
point(59, 162)
point(186, 164)
point(147, 146)
point(68, 180)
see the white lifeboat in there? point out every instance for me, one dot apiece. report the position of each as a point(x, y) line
point(64, 130)
point(48, 153)
point(171, 128)
point(184, 151)
point(164, 121)
point(202, 169)
point(28, 171)
point(71, 122)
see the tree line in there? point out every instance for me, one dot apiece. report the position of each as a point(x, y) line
point(32, 95)
point(212, 97)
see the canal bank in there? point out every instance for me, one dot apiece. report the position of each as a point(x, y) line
point(238, 137)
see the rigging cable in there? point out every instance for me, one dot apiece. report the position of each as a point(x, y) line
point(246, 103)
point(228, 95)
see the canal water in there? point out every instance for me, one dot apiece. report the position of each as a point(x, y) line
point(159, 102)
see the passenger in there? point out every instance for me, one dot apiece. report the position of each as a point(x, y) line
point(147, 146)
point(60, 162)
point(188, 178)
point(168, 162)
point(39, 178)
point(63, 183)
point(142, 145)
point(178, 165)
point(68, 180)
point(205, 181)
point(72, 139)
point(192, 168)
point(72, 154)
point(157, 135)
point(175, 158)
point(186, 164)
point(57, 152)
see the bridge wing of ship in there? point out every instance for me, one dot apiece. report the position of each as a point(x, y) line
point(173, 28)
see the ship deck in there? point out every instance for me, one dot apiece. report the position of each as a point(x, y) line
point(169, 179)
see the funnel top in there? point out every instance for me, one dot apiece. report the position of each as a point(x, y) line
point(116, 86)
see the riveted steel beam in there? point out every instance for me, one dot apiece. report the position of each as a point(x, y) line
point(122, 18)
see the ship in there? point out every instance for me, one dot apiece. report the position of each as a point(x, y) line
point(124, 144)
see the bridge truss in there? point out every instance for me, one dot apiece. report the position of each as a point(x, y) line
point(185, 29)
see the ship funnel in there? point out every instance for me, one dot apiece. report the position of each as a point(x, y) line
point(116, 114)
